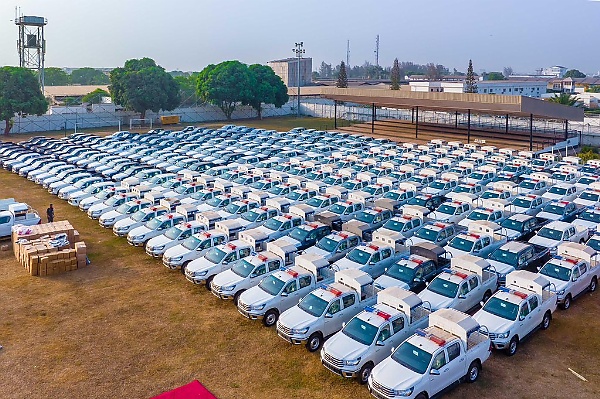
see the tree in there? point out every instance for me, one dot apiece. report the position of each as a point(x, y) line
point(507, 72)
point(89, 76)
point(564, 99)
point(95, 97)
point(225, 85)
point(187, 88)
point(395, 75)
point(325, 70)
point(56, 77)
point(19, 94)
point(268, 88)
point(342, 80)
point(142, 85)
point(574, 73)
point(495, 76)
point(593, 89)
point(470, 82)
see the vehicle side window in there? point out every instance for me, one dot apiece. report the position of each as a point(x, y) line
point(286, 226)
point(477, 246)
point(473, 283)
point(259, 271)
point(4, 219)
point(464, 288)
point(304, 281)
point(438, 361)
point(583, 268)
point(354, 241)
point(334, 307)
point(375, 258)
point(524, 310)
point(429, 268)
point(386, 253)
point(291, 287)
point(384, 334)
point(273, 265)
point(296, 222)
point(230, 258)
point(219, 240)
point(533, 303)
point(453, 351)
point(245, 252)
point(576, 273)
point(349, 300)
point(398, 324)
point(343, 246)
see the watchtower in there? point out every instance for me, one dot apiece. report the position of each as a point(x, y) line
point(32, 44)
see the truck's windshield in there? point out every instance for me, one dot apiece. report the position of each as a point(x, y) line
point(521, 203)
point(273, 224)
point(590, 216)
point(412, 357)
point(401, 272)
point(215, 255)
point(313, 305)
point(365, 217)
point(504, 256)
point(191, 243)
point(243, 268)
point(462, 244)
point(478, 215)
point(327, 244)
point(138, 216)
point(153, 224)
point(173, 233)
point(554, 209)
point(501, 308)
point(271, 285)
point(299, 234)
point(556, 271)
point(443, 287)
point(360, 331)
point(427, 234)
point(358, 256)
point(552, 234)
point(512, 224)
point(394, 225)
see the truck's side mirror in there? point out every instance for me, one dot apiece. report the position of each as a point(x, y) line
point(379, 343)
point(574, 278)
point(521, 317)
point(481, 303)
point(434, 372)
point(461, 296)
point(343, 324)
point(328, 315)
point(284, 294)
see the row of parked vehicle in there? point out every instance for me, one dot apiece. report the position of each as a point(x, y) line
point(350, 245)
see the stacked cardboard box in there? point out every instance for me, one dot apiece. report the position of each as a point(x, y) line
point(36, 252)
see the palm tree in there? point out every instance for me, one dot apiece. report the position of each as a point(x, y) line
point(564, 99)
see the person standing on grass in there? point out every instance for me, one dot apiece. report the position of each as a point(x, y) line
point(50, 214)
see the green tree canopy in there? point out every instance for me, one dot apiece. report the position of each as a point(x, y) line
point(495, 76)
point(187, 88)
point(593, 89)
point(19, 93)
point(225, 85)
point(574, 73)
point(142, 85)
point(89, 76)
point(342, 80)
point(564, 99)
point(395, 75)
point(95, 97)
point(268, 88)
point(56, 77)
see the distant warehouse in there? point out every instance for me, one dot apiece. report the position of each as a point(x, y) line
point(287, 70)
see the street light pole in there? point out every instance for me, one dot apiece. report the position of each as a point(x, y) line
point(299, 50)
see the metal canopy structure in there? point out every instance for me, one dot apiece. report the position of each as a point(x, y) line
point(456, 102)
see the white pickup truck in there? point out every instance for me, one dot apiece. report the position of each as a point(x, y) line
point(13, 213)
point(462, 287)
point(139, 236)
point(124, 226)
point(86, 203)
point(124, 211)
point(194, 247)
point(482, 239)
point(450, 350)
point(515, 311)
point(324, 311)
point(156, 246)
point(369, 336)
point(334, 246)
point(372, 258)
point(555, 233)
point(574, 271)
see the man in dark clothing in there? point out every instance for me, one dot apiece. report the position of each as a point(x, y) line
point(50, 214)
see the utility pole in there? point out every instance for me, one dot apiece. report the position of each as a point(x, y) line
point(348, 54)
point(377, 51)
point(299, 51)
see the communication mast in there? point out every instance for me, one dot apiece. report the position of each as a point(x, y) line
point(31, 44)
point(348, 54)
point(377, 51)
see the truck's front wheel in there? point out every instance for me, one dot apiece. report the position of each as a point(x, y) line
point(208, 282)
point(314, 342)
point(236, 297)
point(365, 372)
point(593, 284)
point(486, 296)
point(270, 318)
point(473, 372)
point(567, 303)
point(512, 347)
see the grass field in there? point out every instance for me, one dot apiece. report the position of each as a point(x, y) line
point(126, 327)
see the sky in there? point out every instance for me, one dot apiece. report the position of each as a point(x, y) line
point(187, 35)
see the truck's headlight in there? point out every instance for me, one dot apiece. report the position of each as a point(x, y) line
point(138, 238)
point(404, 392)
point(561, 292)
point(176, 259)
point(203, 273)
point(299, 330)
point(110, 220)
point(258, 307)
point(503, 335)
point(228, 288)
point(159, 248)
point(352, 362)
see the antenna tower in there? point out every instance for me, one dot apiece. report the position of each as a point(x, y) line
point(31, 44)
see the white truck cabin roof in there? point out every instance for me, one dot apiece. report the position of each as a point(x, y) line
point(252, 237)
point(497, 204)
point(470, 264)
point(311, 262)
point(281, 247)
point(208, 217)
point(18, 207)
point(353, 278)
point(454, 322)
point(520, 280)
point(258, 196)
point(399, 299)
point(483, 227)
point(414, 211)
point(228, 225)
point(577, 251)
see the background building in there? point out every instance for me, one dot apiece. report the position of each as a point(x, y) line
point(502, 87)
point(287, 70)
point(557, 71)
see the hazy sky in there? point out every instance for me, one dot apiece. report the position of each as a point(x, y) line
point(189, 34)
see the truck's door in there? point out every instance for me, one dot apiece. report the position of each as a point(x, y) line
point(524, 321)
point(581, 280)
point(332, 321)
point(438, 381)
point(457, 364)
point(289, 296)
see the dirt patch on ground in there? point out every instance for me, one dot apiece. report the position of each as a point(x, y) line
point(126, 327)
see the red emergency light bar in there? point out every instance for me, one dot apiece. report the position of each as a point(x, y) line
point(477, 236)
point(374, 247)
point(531, 196)
point(416, 260)
point(262, 257)
point(440, 225)
point(343, 235)
point(313, 225)
point(564, 202)
point(334, 291)
point(287, 216)
point(170, 216)
point(206, 234)
point(232, 246)
point(291, 272)
point(188, 226)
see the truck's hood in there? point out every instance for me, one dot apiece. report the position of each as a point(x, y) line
point(317, 251)
point(205, 207)
point(110, 215)
point(158, 241)
point(201, 264)
point(392, 374)
point(437, 301)
point(511, 234)
point(584, 202)
point(493, 323)
point(77, 194)
point(501, 268)
point(127, 222)
point(455, 252)
point(98, 207)
point(345, 263)
point(255, 296)
point(67, 189)
point(296, 318)
point(549, 216)
point(585, 223)
point(225, 278)
point(177, 250)
point(341, 346)
point(139, 231)
point(545, 242)
point(384, 281)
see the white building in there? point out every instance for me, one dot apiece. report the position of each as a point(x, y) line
point(502, 87)
point(287, 70)
point(557, 71)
